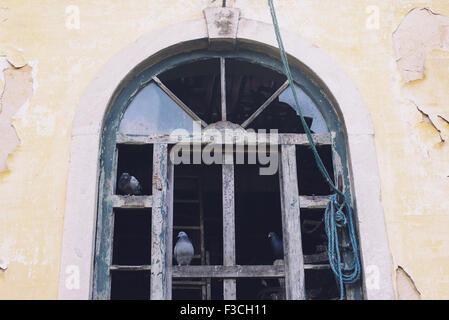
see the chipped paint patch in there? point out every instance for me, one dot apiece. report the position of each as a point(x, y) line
point(427, 119)
point(420, 32)
point(13, 55)
point(4, 64)
point(405, 286)
point(17, 92)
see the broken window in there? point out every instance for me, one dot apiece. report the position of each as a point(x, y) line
point(262, 187)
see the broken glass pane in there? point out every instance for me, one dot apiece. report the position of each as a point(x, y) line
point(308, 108)
point(153, 111)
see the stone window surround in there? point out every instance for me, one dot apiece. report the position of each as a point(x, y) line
point(79, 230)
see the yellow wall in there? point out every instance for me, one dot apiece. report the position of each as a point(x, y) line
point(413, 160)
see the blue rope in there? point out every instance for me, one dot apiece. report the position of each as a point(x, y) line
point(335, 217)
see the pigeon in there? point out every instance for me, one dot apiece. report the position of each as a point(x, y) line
point(276, 245)
point(183, 250)
point(129, 185)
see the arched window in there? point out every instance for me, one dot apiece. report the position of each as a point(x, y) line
point(196, 131)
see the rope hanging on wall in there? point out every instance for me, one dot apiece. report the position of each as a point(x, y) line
point(338, 216)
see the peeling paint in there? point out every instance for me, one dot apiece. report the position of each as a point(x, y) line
point(420, 32)
point(426, 118)
point(17, 91)
point(14, 56)
point(3, 265)
point(4, 64)
point(405, 286)
point(443, 119)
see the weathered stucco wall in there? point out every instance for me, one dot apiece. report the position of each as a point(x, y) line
point(50, 50)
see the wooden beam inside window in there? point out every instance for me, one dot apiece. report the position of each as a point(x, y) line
point(132, 202)
point(313, 202)
point(159, 223)
point(237, 271)
point(284, 138)
point(229, 272)
point(223, 88)
point(169, 226)
point(102, 277)
point(293, 255)
point(229, 285)
point(129, 268)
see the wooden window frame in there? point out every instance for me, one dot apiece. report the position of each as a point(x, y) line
point(162, 271)
point(162, 225)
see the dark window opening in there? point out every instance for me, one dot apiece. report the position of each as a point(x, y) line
point(281, 116)
point(198, 212)
point(321, 285)
point(310, 180)
point(248, 86)
point(198, 193)
point(197, 84)
point(131, 247)
point(132, 237)
point(137, 160)
point(130, 285)
point(257, 212)
point(197, 289)
point(313, 234)
point(260, 289)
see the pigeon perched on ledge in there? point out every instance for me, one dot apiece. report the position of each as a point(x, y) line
point(276, 245)
point(129, 185)
point(183, 250)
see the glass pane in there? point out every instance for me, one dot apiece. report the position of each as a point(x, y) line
point(308, 108)
point(153, 111)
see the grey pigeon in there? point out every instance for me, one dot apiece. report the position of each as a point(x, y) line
point(183, 249)
point(129, 185)
point(276, 245)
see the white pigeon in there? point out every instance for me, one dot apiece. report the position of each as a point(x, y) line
point(183, 249)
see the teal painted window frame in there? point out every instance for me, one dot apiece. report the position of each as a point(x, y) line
point(108, 158)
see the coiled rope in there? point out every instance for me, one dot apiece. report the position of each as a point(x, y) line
point(338, 214)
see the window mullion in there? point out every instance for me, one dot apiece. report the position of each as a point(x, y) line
point(229, 285)
point(179, 101)
point(169, 230)
point(159, 225)
point(102, 277)
point(291, 225)
point(265, 104)
point(223, 88)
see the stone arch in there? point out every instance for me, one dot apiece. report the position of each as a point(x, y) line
point(81, 202)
